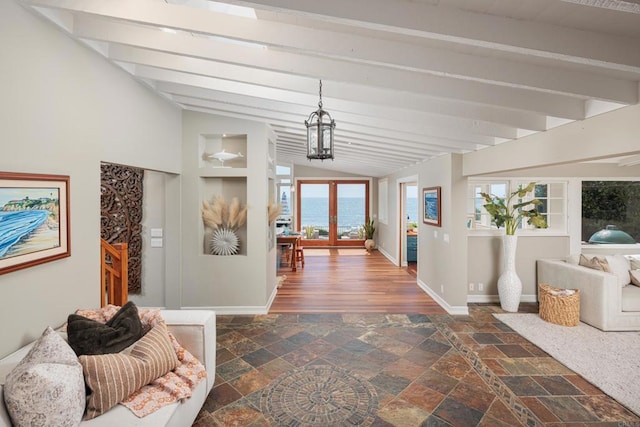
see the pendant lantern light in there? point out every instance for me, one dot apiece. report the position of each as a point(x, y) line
point(320, 127)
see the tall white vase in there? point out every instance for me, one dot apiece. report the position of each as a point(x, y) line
point(509, 284)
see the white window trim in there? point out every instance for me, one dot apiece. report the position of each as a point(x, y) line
point(511, 183)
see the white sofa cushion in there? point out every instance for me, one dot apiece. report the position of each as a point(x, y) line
point(620, 266)
point(631, 298)
point(46, 387)
point(635, 277)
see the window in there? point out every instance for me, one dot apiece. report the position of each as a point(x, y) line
point(552, 195)
point(284, 187)
point(477, 217)
point(283, 170)
point(610, 203)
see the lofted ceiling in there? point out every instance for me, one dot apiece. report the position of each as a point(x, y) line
point(404, 80)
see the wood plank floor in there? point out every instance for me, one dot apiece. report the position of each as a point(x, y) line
point(350, 281)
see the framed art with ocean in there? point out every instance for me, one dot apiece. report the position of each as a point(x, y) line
point(431, 201)
point(34, 219)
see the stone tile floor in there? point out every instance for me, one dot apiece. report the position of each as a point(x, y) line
point(435, 370)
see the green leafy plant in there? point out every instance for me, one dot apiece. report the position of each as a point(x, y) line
point(369, 228)
point(308, 231)
point(508, 214)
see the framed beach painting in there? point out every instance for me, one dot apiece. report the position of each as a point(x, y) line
point(431, 200)
point(34, 219)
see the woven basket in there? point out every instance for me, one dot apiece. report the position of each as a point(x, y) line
point(559, 309)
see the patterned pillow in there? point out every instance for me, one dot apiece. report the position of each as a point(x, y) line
point(113, 377)
point(46, 388)
point(595, 263)
point(87, 336)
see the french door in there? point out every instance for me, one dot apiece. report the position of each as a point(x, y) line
point(332, 212)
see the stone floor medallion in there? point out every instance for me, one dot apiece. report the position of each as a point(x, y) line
point(320, 395)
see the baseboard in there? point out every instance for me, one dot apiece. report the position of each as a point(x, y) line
point(495, 298)
point(455, 310)
point(387, 256)
point(239, 309)
point(233, 310)
point(271, 298)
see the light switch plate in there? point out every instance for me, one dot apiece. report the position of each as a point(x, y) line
point(156, 242)
point(156, 232)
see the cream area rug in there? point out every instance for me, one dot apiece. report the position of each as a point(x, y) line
point(609, 360)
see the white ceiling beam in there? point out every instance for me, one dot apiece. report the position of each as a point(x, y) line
point(281, 95)
point(441, 107)
point(394, 119)
point(396, 150)
point(370, 50)
point(371, 154)
point(630, 161)
point(346, 131)
point(616, 5)
point(355, 157)
point(353, 75)
point(470, 28)
point(183, 94)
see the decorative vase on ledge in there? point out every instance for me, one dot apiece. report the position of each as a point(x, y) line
point(509, 284)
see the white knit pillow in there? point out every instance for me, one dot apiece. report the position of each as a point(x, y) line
point(620, 266)
point(46, 387)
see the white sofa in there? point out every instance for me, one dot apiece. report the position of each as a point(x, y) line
point(603, 302)
point(196, 331)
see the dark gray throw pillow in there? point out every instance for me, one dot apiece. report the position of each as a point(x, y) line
point(87, 336)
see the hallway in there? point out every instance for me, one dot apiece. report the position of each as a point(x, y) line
point(349, 280)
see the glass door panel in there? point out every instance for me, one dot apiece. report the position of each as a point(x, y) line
point(332, 213)
point(313, 218)
point(351, 211)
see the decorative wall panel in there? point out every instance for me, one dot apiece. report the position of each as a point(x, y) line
point(121, 214)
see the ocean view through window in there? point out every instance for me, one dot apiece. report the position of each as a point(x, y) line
point(333, 211)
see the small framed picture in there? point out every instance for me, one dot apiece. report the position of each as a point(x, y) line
point(34, 219)
point(431, 200)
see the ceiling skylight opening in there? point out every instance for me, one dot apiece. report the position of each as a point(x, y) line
point(232, 9)
point(219, 7)
point(214, 6)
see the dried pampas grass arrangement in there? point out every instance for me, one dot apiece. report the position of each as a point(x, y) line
point(218, 213)
point(273, 211)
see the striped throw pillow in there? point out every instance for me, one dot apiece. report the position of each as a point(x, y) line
point(113, 377)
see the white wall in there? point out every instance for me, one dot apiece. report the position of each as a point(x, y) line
point(153, 258)
point(485, 263)
point(65, 109)
point(387, 239)
point(237, 283)
point(442, 251)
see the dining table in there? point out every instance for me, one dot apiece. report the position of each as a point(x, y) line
point(290, 241)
